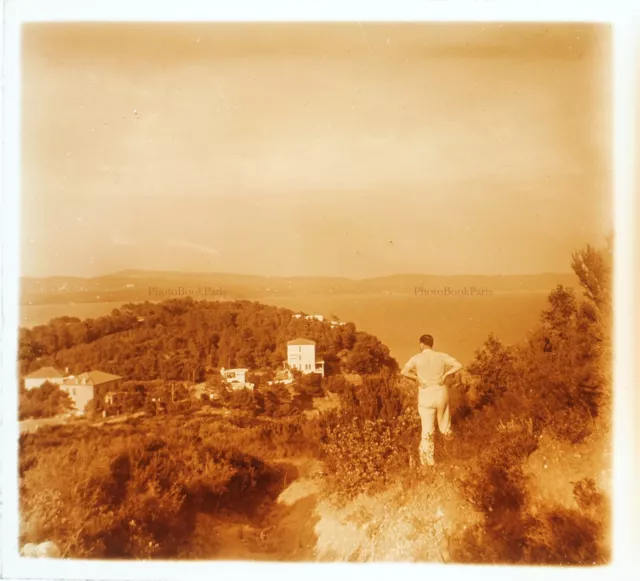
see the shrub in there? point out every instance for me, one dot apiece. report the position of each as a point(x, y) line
point(553, 536)
point(564, 537)
point(336, 384)
point(243, 399)
point(139, 496)
point(45, 401)
point(309, 384)
point(573, 425)
point(359, 456)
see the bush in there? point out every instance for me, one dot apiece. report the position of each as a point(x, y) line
point(138, 498)
point(336, 384)
point(375, 433)
point(359, 457)
point(46, 401)
point(243, 399)
point(309, 384)
point(562, 536)
point(573, 425)
point(493, 366)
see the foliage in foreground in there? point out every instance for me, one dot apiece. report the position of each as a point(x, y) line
point(139, 496)
point(555, 383)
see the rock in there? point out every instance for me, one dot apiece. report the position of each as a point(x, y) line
point(46, 550)
point(49, 550)
point(29, 550)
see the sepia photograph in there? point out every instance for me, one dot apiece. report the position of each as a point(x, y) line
point(316, 292)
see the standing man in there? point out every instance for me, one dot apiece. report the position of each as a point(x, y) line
point(429, 368)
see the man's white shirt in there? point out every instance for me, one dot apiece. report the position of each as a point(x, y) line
point(430, 366)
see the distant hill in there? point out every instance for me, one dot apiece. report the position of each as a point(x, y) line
point(141, 285)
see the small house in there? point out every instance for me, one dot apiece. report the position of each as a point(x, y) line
point(301, 355)
point(41, 376)
point(236, 378)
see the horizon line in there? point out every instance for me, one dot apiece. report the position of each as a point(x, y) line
point(130, 271)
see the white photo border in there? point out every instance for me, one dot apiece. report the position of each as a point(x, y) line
point(625, 29)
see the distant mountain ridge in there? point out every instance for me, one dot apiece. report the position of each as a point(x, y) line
point(136, 285)
point(133, 272)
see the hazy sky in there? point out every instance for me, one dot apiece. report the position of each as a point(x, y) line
point(339, 149)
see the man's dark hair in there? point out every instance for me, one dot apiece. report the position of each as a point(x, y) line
point(427, 340)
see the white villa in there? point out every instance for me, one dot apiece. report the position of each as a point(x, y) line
point(301, 355)
point(81, 388)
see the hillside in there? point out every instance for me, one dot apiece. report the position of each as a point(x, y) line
point(524, 480)
point(184, 339)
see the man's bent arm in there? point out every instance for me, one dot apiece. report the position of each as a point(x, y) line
point(455, 367)
point(408, 371)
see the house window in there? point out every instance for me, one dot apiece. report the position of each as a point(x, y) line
point(73, 391)
point(299, 349)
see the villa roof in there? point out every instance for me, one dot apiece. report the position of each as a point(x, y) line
point(92, 378)
point(45, 372)
point(301, 341)
point(98, 377)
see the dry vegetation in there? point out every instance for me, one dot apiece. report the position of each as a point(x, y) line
point(524, 481)
point(491, 499)
point(135, 489)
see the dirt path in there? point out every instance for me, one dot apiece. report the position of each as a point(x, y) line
point(29, 426)
point(281, 530)
point(32, 425)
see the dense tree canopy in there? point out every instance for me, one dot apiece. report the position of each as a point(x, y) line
point(184, 339)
